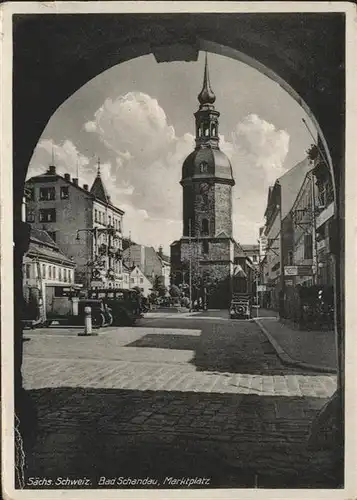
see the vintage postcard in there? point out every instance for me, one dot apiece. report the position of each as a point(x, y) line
point(178, 239)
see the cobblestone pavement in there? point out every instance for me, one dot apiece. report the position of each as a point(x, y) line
point(177, 397)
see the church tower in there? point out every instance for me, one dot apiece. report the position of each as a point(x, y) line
point(206, 249)
point(207, 177)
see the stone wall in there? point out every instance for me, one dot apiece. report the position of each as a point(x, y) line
point(223, 209)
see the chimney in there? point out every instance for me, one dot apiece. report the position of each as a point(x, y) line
point(75, 181)
point(85, 187)
point(51, 170)
point(67, 177)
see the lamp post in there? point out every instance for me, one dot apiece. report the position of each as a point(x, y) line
point(95, 231)
point(282, 278)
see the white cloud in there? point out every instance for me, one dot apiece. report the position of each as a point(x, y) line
point(133, 124)
point(263, 145)
point(65, 156)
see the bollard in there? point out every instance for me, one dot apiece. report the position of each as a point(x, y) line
point(87, 323)
point(88, 320)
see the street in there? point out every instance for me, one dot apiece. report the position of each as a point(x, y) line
point(178, 396)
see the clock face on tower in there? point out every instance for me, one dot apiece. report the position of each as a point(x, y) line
point(204, 188)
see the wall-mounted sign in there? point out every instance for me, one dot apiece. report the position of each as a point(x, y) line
point(298, 270)
point(261, 288)
point(291, 270)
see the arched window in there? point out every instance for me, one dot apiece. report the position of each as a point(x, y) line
point(204, 226)
point(213, 131)
point(207, 132)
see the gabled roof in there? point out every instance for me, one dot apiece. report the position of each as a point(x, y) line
point(43, 246)
point(98, 189)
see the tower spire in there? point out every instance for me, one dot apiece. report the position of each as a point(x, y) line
point(98, 168)
point(206, 96)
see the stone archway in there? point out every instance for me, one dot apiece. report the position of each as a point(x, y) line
point(54, 55)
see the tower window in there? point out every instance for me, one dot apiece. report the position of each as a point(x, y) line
point(205, 226)
point(214, 130)
point(206, 132)
point(205, 247)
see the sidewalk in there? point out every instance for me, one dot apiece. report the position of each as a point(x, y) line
point(309, 349)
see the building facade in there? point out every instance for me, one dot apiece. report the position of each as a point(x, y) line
point(206, 249)
point(46, 271)
point(276, 238)
point(139, 280)
point(83, 222)
point(152, 263)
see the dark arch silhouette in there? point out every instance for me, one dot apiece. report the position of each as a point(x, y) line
point(54, 55)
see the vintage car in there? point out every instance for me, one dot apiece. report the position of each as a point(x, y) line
point(240, 307)
point(125, 305)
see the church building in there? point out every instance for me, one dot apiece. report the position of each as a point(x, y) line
point(205, 253)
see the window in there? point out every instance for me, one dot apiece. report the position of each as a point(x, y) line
point(47, 193)
point(207, 132)
point(50, 272)
point(30, 215)
point(132, 280)
point(95, 215)
point(205, 247)
point(64, 192)
point(43, 270)
point(109, 220)
point(48, 215)
point(59, 274)
point(290, 258)
point(203, 167)
point(308, 246)
point(204, 226)
point(64, 274)
point(141, 280)
point(28, 271)
point(54, 272)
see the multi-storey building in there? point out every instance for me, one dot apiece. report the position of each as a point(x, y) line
point(152, 264)
point(82, 221)
point(278, 232)
point(324, 222)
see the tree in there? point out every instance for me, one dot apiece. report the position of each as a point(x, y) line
point(159, 287)
point(175, 291)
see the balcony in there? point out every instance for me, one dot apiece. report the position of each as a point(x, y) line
point(103, 249)
point(325, 215)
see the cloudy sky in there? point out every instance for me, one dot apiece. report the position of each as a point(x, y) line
point(137, 117)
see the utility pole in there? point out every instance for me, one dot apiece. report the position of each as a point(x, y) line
point(190, 260)
point(129, 256)
point(314, 244)
point(282, 277)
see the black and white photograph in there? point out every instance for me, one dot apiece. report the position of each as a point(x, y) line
point(178, 249)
